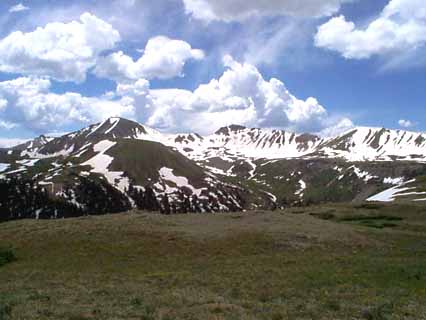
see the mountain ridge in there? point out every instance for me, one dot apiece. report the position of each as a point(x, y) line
point(118, 127)
point(235, 168)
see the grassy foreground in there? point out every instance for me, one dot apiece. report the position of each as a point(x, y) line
point(325, 262)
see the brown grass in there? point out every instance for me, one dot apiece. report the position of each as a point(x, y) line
point(257, 265)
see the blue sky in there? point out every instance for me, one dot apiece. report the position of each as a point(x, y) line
point(67, 64)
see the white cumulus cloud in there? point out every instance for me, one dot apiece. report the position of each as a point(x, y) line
point(241, 95)
point(18, 8)
point(238, 10)
point(33, 106)
point(163, 58)
point(405, 123)
point(336, 127)
point(399, 28)
point(63, 51)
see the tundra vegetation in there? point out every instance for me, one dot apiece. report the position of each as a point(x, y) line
point(339, 261)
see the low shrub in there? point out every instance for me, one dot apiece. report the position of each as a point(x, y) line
point(5, 311)
point(382, 312)
point(369, 206)
point(371, 218)
point(328, 215)
point(6, 256)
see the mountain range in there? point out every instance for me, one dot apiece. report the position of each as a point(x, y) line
point(118, 164)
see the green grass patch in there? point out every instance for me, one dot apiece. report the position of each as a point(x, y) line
point(371, 218)
point(377, 222)
point(369, 206)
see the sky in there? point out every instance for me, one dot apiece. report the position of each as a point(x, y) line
point(319, 66)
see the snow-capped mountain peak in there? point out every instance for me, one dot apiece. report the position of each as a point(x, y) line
point(117, 127)
point(369, 144)
point(239, 142)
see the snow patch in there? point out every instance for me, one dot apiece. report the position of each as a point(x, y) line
point(3, 167)
point(35, 155)
point(252, 171)
point(168, 175)
point(364, 175)
point(390, 195)
point(102, 161)
point(272, 196)
point(21, 169)
point(393, 181)
point(28, 163)
point(95, 128)
point(302, 189)
point(113, 122)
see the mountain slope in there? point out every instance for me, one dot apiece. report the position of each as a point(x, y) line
point(119, 164)
point(113, 164)
point(35, 143)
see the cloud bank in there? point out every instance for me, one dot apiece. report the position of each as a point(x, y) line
point(399, 28)
point(238, 10)
point(31, 105)
point(240, 95)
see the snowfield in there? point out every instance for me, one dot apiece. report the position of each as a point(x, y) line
point(101, 162)
point(377, 144)
point(388, 195)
